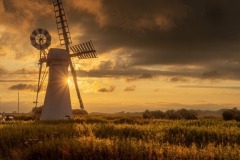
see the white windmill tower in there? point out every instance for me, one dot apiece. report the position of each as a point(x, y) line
point(57, 103)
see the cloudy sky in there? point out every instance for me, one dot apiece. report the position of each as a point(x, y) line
point(154, 55)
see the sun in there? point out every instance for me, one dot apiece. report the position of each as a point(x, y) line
point(68, 80)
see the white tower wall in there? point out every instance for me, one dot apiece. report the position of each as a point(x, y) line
point(57, 103)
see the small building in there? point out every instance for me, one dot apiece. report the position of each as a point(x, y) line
point(8, 117)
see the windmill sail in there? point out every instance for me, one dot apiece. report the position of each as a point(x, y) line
point(83, 51)
point(62, 24)
point(65, 39)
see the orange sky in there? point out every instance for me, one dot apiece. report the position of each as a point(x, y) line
point(154, 55)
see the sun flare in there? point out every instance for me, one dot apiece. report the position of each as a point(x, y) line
point(68, 80)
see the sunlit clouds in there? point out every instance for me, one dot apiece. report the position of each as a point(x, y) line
point(130, 88)
point(109, 89)
point(151, 54)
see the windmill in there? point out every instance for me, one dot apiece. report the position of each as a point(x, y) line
point(57, 103)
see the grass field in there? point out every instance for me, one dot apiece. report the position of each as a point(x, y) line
point(111, 137)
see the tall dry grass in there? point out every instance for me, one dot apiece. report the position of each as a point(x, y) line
point(99, 137)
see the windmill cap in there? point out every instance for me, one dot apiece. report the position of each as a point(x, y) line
point(57, 53)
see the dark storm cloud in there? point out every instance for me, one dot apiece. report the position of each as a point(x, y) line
point(219, 71)
point(121, 69)
point(130, 88)
point(140, 76)
point(110, 89)
point(201, 33)
point(140, 15)
point(131, 73)
point(213, 75)
point(22, 86)
point(194, 29)
point(170, 33)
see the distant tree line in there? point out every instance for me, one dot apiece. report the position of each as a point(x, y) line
point(38, 110)
point(231, 114)
point(170, 114)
